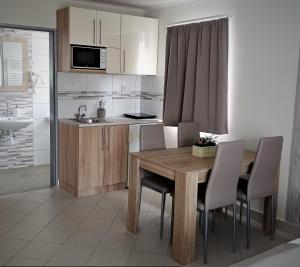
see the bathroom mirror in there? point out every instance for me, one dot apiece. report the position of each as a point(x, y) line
point(13, 64)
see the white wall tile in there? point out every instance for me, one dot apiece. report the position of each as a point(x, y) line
point(68, 107)
point(124, 83)
point(147, 83)
point(42, 79)
point(41, 157)
point(99, 83)
point(41, 111)
point(41, 126)
point(138, 83)
point(157, 108)
point(137, 105)
point(121, 106)
point(158, 84)
point(41, 141)
point(40, 46)
point(145, 106)
point(41, 95)
point(71, 82)
point(40, 63)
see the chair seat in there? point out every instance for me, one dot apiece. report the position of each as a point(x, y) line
point(242, 187)
point(158, 183)
point(201, 196)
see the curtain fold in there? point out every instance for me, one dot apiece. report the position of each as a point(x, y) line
point(196, 75)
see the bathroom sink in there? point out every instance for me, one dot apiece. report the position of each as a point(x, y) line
point(14, 123)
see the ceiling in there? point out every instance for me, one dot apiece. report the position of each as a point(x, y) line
point(145, 4)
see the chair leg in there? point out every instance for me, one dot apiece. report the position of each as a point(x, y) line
point(272, 219)
point(162, 213)
point(205, 235)
point(234, 228)
point(172, 221)
point(248, 224)
point(213, 221)
point(140, 198)
point(241, 211)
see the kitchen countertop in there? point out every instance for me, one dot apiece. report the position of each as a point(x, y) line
point(112, 121)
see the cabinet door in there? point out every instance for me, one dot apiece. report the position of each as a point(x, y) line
point(83, 26)
point(116, 154)
point(113, 60)
point(139, 37)
point(91, 157)
point(108, 29)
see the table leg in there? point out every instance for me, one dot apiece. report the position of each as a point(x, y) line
point(185, 214)
point(267, 209)
point(134, 196)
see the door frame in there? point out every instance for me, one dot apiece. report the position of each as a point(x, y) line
point(53, 95)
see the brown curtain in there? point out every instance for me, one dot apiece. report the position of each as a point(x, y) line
point(196, 71)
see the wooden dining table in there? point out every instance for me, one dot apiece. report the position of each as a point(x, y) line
point(187, 171)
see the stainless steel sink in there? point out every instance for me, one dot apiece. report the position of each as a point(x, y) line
point(91, 120)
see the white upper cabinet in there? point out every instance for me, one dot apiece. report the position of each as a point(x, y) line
point(139, 37)
point(95, 28)
point(83, 26)
point(108, 29)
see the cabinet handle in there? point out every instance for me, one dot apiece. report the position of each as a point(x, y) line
point(124, 56)
point(94, 23)
point(108, 133)
point(100, 37)
point(103, 138)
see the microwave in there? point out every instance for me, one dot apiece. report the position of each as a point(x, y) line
point(88, 57)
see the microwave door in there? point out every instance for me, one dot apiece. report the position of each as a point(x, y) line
point(86, 57)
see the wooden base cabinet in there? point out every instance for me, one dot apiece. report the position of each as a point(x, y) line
point(92, 159)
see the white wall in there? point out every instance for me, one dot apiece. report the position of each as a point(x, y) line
point(41, 98)
point(264, 45)
point(42, 13)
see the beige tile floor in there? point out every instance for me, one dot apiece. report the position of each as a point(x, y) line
point(51, 227)
point(19, 180)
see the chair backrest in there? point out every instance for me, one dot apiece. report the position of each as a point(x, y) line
point(152, 137)
point(188, 133)
point(262, 177)
point(222, 184)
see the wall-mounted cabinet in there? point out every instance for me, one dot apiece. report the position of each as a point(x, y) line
point(94, 28)
point(139, 37)
point(82, 26)
point(108, 27)
point(131, 41)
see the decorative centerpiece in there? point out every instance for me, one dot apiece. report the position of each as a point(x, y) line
point(101, 112)
point(205, 147)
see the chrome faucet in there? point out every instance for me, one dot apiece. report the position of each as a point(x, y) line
point(79, 111)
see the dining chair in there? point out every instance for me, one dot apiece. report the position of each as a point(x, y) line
point(261, 180)
point(152, 138)
point(221, 188)
point(188, 133)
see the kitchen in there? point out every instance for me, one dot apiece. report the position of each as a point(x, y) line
point(125, 54)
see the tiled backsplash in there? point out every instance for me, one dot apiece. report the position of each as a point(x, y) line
point(122, 93)
point(26, 150)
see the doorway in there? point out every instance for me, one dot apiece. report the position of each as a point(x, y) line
point(28, 102)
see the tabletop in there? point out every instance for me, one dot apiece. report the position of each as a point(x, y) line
point(169, 161)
